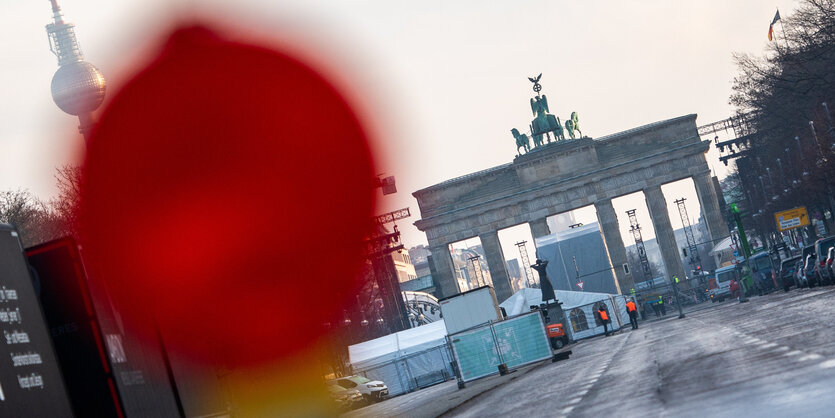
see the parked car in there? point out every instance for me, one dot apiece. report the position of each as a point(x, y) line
point(799, 275)
point(372, 390)
point(761, 270)
point(822, 247)
point(345, 399)
point(788, 272)
point(826, 270)
point(809, 270)
point(808, 250)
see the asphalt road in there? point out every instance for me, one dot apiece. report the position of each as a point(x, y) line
point(772, 356)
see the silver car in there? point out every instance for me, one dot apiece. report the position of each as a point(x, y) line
point(826, 270)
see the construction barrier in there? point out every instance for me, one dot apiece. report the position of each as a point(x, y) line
point(514, 342)
point(413, 371)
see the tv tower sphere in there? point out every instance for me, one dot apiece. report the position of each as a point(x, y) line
point(78, 88)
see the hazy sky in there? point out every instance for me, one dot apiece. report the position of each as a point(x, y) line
point(445, 80)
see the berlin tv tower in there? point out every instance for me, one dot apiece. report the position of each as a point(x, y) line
point(77, 87)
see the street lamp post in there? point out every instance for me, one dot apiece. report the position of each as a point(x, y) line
point(782, 173)
point(831, 129)
point(762, 185)
point(815, 135)
point(799, 149)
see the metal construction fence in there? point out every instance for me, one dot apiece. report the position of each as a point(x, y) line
point(583, 321)
point(514, 342)
point(413, 371)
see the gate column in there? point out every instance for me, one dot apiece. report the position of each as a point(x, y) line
point(716, 227)
point(496, 264)
point(614, 244)
point(664, 232)
point(445, 279)
point(539, 228)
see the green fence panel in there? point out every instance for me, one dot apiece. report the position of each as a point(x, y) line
point(515, 342)
point(522, 340)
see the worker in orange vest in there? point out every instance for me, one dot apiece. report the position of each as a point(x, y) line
point(633, 313)
point(604, 318)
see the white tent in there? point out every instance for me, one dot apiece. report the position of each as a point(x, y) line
point(406, 360)
point(568, 299)
point(577, 307)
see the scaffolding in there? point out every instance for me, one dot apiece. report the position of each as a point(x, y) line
point(476, 266)
point(688, 233)
point(526, 262)
point(635, 229)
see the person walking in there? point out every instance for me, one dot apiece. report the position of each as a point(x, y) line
point(604, 318)
point(633, 313)
point(661, 306)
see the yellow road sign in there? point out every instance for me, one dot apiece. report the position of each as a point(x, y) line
point(792, 218)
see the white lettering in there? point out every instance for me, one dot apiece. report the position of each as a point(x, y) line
point(11, 316)
point(25, 359)
point(34, 380)
point(16, 337)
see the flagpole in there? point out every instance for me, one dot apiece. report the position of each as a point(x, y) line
point(783, 29)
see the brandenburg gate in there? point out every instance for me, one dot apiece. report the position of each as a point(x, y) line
point(568, 174)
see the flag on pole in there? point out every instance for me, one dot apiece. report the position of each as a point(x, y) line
point(771, 26)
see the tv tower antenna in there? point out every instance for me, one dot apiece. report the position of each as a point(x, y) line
point(78, 87)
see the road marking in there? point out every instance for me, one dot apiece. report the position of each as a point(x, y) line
point(793, 353)
point(568, 410)
point(769, 345)
point(575, 400)
point(782, 348)
point(812, 356)
point(828, 364)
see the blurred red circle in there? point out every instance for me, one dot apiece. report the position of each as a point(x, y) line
point(226, 193)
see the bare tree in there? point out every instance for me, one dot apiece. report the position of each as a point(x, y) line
point(65, 206)
point(33, 219)
point(780, 93)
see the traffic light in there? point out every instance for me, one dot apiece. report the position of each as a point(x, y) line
point(684, 252)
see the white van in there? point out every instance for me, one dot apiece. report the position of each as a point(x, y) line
point(724, 276)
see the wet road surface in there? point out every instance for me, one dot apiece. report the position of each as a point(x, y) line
point(772, 356)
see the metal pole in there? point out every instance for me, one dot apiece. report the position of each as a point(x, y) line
point(782, 173)
point(831, 130)
point(815, 135)
point(576, 269)
point(799, 149)
point(678, 301)
point(783, 29)
point(765, 198)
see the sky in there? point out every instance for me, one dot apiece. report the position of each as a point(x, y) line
point(442, 82)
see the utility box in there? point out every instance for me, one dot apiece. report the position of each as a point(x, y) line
point(469, 309)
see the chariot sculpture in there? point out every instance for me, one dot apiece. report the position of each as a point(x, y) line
point(544, 123)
